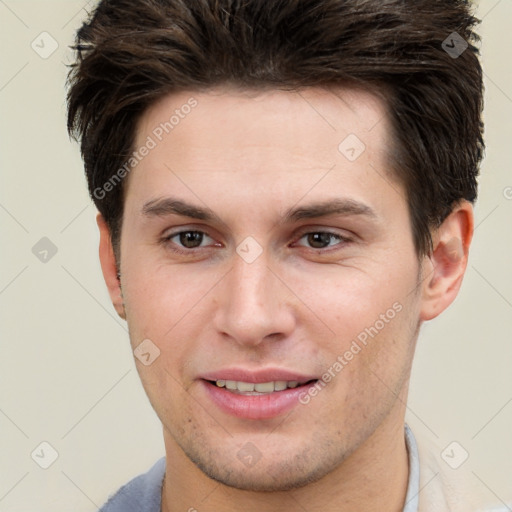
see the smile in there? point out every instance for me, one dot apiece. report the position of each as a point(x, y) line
point(255, 400)
point(255, 389)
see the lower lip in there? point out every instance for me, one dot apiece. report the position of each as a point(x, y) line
point(253, 407)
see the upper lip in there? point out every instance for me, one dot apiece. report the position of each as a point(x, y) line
point(258, 376)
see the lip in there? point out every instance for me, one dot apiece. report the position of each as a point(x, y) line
point(258, 376)
point(253, 407)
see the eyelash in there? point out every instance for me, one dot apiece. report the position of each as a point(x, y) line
point(166, 241)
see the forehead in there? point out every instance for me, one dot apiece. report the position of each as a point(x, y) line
point(242, 114)
point(248, 139)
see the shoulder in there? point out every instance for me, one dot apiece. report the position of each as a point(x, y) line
point(142, 494)
point(447, 483)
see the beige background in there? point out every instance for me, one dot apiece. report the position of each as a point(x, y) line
point(66, 371)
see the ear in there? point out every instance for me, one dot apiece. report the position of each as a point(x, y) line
point(109, 267)
point(444, 269)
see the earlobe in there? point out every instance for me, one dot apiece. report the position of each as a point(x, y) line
point(444, 269)
point(109, 267)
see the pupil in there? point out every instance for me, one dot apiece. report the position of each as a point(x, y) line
point(191, 239)
point(319, 240)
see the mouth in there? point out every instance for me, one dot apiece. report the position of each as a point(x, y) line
point(259, 388)
point(251, 400)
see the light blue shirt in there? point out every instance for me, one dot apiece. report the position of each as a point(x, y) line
point(143, 493)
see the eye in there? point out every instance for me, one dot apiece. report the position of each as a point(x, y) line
point(322, 239)
point(189, 239)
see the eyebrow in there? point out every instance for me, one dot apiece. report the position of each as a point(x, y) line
point(346, 207)
point(168, 206)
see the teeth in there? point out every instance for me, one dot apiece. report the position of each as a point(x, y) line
point(262, 387)
point(245, 386)
point(279, 385)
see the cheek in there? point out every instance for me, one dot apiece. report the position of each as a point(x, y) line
point(161, 297)
point(368, 322)
point(349, 300)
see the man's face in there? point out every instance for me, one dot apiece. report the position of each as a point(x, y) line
point(295, 263)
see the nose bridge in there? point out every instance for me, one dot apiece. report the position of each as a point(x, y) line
point(253, 305)
point(251, 282)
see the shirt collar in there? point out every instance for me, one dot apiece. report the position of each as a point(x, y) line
point(413, 487)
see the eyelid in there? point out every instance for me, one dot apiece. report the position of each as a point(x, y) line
point(172, 235)
point(176, 247)
point(307, 230)
point(344, 239)
point(176, 230)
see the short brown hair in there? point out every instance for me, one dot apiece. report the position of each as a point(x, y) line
point(130, 53)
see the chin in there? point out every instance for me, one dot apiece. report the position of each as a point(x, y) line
point(247, 480)
point(291, 473)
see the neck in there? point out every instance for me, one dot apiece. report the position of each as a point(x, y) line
point(373, 478)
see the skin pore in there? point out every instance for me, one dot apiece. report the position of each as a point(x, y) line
point(333, 255)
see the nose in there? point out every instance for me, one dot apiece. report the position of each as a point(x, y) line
point(254, 305)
